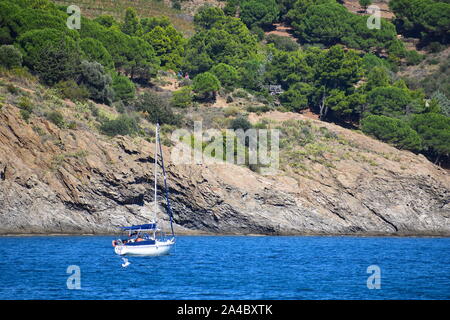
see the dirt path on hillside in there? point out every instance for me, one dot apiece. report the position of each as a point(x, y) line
point(279, 116)
point(353, 6)
point(282, 30)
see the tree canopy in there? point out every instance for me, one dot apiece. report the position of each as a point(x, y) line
point(206, 85)
point(219, 40)
point(52, 54)
point(426, 19)
point(393, 131)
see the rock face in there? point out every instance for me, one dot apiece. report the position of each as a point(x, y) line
point(76, 181)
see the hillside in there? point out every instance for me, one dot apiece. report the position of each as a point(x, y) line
point(182, 19)
point(61, 180)
point(363, 119)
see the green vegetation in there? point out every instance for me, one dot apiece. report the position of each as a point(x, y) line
point(123, 125)
point(111, 12)
point(166, 41)
point(206, 86)
point(261, 13)
point(393, 131)
point(97, 82)
point(434, 129)
point(219, 39)
point(227, 75)
point(94, 51)
point(437, 81)
point(156, 108)
point(182, 98)
point(428, 20)
point(10, 57)
point(26, 108)
point(282, 43)
point(69, 89)
point(329, 23)
point(331, 64)
point(240, 123)
point(57, 118)
point(50, 53)
point(124, 89)
point(365, 3)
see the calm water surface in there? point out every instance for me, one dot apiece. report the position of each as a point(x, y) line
point(216, 267)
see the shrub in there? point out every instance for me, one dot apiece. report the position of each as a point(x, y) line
point(123, 125)
point(435, 47)
point(258, 32)
point(206, 85)
point(10, 57)
point(388, 101)
point(25, 104)
point(365, 3)
point(413, 57)
point(50, 53)
point(120, 107)
point(240, 123)
point(12, 89)
point(296, 98)
point(93, 50)
point(25, 114)
point(176, 4)
point(71, 90)
point(226, 74)
point(182, 98)
point(282, 43)
point(56, 117)
point(259, 109)
point(72, 125)
point(394, 131)
point(240, 93)
point(261, 13)
point(97, 82)
point(124, 88)
point(434, 129)
point(106, 21)
point(231, 111)
point(156, 108)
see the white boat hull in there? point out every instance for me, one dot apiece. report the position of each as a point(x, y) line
point(160, 248)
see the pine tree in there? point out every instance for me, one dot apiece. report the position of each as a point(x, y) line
point(131, 25)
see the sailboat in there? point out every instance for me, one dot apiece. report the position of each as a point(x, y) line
point(147, 239)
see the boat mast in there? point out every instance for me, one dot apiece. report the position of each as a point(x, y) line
point(156, 172)
point(166, 189)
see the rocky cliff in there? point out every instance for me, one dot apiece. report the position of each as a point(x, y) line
point(77, 181)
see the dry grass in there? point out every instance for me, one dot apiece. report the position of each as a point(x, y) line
point(145, 8)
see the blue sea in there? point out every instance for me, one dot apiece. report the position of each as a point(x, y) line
point(228, 267)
